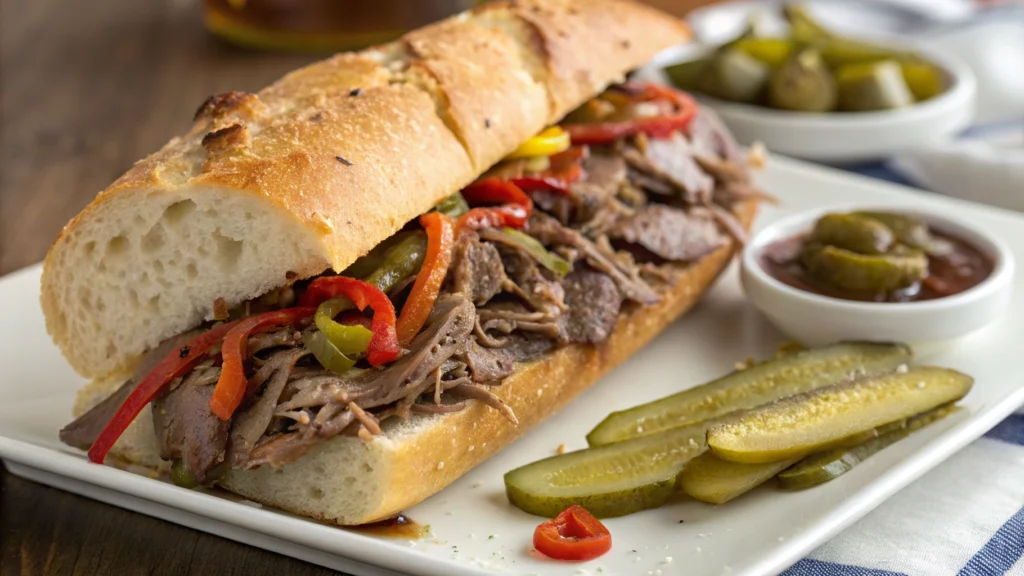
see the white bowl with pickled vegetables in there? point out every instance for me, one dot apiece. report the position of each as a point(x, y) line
point(822, 97)
point(873, 273)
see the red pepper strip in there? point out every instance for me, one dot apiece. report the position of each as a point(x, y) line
point(514, 212)
point(383, 347)
point(232, 384)
point(173, 365)
point(566, 168)
point(574, 535)
point(440, 237)
point(654, 126)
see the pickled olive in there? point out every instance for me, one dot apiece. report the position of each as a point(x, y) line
point(828, 417)
point(924, 80)
point(878, 274)
point(872, 86)
point(908, 230)
point(853, 232)
point(839, 52)
point(771, 51)
point(734, 75)
point(804, 84)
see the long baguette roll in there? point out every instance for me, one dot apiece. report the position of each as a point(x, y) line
point(315, 170)
point(347, 481)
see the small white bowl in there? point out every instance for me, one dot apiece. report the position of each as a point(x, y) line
point(849, 137)
point(817, 320)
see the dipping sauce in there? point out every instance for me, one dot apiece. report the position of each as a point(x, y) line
point(857, 256)
point(400, 526)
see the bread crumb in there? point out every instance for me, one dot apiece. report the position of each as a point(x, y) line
point(440, 465)
point(471, 448)
point(560, 449)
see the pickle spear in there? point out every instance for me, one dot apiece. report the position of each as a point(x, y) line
point(861, 234)
point(820, 468)
point(861, 273)
point(824, 418)
point(754, 386)
point(609, 481)
point(733, 75)
point(716, 481)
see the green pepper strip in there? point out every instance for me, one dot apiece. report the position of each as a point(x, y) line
point(453, 206)
point(545, 257)
point(327, 353)
point(336, 345)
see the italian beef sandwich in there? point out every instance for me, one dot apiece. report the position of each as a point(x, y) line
point(338, 294)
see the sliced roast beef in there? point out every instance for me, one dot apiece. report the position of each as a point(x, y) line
point(476, 269)
point(187, 429)
point(594, 303)
point(528, 280)
point(485, 365)
point(549, 232)
point(711, 139)
point(671, 161)
point(669, 233)
point(82, 432)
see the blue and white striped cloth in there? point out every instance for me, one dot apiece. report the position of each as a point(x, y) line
point(964, 518)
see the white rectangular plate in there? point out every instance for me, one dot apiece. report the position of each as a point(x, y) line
point(473, 528)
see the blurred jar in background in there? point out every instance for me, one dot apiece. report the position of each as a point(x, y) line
point(322, 25)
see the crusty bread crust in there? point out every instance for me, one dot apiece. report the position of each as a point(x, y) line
point(325, 163)
point(347, 481)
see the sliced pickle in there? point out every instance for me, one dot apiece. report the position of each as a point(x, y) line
point(908, 230)
point(827, 417)
point(759, 384)
point(733, 75)
point(861, 273)
point(804, 84)
point(872, 86)
point(716, 481)
point(609, 481)
point(771, 51)
point(820, 468)
point(853, 232)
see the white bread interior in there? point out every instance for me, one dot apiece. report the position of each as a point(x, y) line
point(347, 481)
point(316, 169)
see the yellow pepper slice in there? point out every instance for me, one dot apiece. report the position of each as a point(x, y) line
point(551, 141)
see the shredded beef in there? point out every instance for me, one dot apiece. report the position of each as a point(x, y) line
point(669, 233)
point(594, 304)
point(671, 161)
point(82, 432)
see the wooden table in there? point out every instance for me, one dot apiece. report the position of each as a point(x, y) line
point(87, 88)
